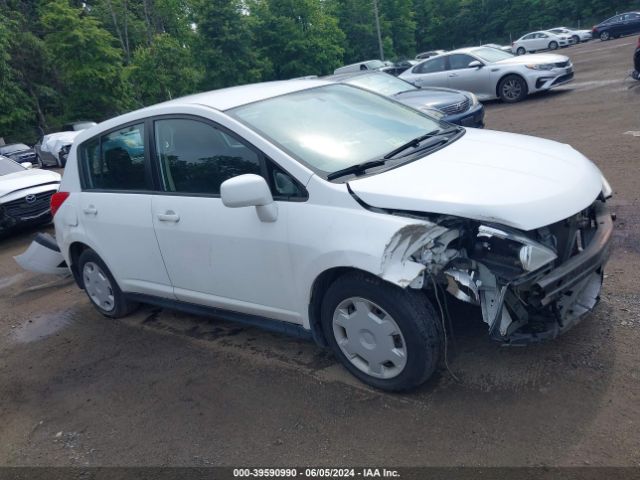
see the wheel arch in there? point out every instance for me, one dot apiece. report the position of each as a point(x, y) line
point(75, 250)
point(508, 74)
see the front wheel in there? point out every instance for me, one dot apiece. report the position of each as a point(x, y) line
point(101, 287)
point(512, 89)
point(521, 51)
point(553, 45)
point(387, 337)
point(604, 36)
point(576, 39)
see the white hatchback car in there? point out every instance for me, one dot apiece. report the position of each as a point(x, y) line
point(328, 211)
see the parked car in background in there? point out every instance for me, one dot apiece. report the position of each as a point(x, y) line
point(19, 152)
point(543, 40)
point(398, 67)
point(25, 195)
point(50, 147)
point(616, 26)
point(361, 208)
point(491, 73)
point(461, 108)
point(505, 48)
point(429, 54)
point(577, 35)
point(361, 66)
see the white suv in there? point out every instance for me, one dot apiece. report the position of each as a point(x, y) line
point(331, 212)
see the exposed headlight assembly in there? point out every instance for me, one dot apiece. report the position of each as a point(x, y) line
point(512, 250)
point(541, 66)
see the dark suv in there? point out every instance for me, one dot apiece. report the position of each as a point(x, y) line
point(614, 27)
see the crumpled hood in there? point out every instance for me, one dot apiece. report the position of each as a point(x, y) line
point(536, 58)
point(516, 180)
point(26, 179)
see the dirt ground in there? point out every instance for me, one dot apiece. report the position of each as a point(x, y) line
point(163, 388)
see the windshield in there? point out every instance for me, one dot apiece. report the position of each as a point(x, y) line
point(8, 166)
point(16, 147)
point(381, 83)
point(374, 64)
point(333, 127)
point(491, 55)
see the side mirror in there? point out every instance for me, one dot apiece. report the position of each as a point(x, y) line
point(27, 165)
point(475, 64)
point(250, 190)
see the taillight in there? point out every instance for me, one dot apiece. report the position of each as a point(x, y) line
point(594, 28)
point(57, 199)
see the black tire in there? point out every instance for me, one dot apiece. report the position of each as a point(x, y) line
point(414, 316)
point(521, 51)
point(121, 307)
point(604, 36)
point(518, 89)
point(553, 45)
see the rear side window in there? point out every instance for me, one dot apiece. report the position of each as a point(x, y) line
point(116, 161)
point(432, 66)
point(196, 157)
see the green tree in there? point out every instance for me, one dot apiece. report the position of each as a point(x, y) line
point(224, 44)
point(162, 71)
point(356, 20)
point(88, 64)
point(299, 37)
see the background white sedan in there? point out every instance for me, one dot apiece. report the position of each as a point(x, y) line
point(542, 40)
point(577, 35)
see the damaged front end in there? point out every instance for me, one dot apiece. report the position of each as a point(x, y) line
point(529, 286)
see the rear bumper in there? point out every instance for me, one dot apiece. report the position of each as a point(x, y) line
point(43, 256)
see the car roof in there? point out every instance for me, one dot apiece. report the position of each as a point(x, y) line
point(338, 77)
point(227, 98)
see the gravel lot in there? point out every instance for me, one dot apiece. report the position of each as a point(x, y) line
point(163, 388)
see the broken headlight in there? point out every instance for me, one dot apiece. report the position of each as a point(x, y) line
point(511, 250)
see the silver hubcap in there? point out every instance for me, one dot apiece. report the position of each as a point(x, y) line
point(511, 89)
point(370, 338)
point(605, 36)
point(553, 45)
point(98, 286)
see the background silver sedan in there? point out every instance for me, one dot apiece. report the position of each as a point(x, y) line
point(491, 73)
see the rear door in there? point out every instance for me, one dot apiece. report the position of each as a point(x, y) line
point(115, 209)
point(431, 73)
point(219, 256)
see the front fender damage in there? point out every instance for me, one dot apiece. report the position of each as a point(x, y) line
point(399, 265)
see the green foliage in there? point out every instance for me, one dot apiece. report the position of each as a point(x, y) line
point(61, 60)
point(162, 71)
point(87, 63)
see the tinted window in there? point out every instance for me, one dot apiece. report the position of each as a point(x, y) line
point(457, 62)
point(196, 157)
point(432, 66)
point(529, 37)
point(115, 161)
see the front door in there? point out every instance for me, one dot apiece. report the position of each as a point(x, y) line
point(474, 79)
point(218, 256)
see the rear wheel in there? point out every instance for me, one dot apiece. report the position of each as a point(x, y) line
point(512, 89)
point(521, 51)
point(387, 337)
point(604, 36)
point(101, 287)
point(553, 45)
point(576, 38)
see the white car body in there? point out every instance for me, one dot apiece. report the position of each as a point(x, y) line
point(485, 80)
point(541, 40)
point(577, 35)
point(24, 194)
point(364, 65)
point(271, 260)
point(53, 142)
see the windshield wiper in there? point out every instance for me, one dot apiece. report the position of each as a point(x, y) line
point(357, 168)
point(415, 143)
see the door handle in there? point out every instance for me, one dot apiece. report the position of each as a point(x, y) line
point(90, 210)
point(453, 75)
point(169, 216)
